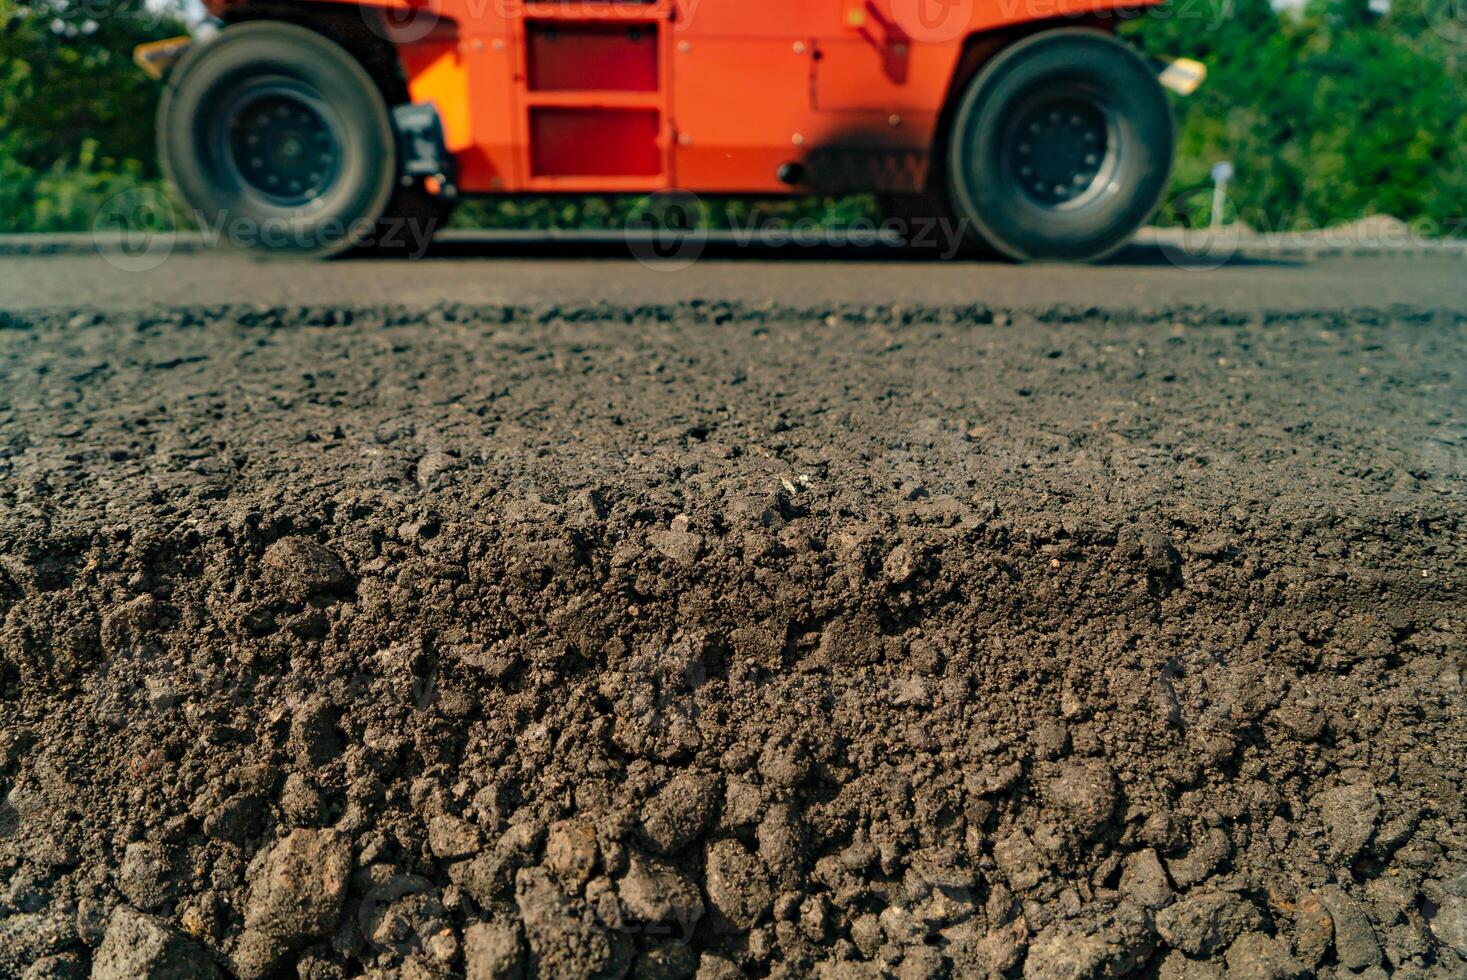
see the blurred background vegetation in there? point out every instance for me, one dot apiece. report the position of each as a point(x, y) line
point(1330, 112)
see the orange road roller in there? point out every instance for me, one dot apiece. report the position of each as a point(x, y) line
point(318, 127)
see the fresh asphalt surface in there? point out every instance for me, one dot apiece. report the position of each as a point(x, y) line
point(796, 613)
point(529, 271)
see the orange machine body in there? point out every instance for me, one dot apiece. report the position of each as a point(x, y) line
point(711, 96)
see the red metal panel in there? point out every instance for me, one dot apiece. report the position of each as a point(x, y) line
point(577, 142)
point(565, 56)
point(723, 144)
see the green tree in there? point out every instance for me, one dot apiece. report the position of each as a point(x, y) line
point(1329, 116)
point(75, 114)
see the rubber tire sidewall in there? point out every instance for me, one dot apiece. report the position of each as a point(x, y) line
point(1003, 216)
point(360, 193)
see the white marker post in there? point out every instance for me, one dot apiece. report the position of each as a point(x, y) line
point(1222, 172)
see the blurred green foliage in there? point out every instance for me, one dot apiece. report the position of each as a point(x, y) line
point(1328, 114)
point(76, 117)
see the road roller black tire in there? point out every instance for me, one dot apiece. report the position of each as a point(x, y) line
point(1061, 147)
point(279, 140)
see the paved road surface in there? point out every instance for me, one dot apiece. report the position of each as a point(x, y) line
point(530, 273)
point(948, 641)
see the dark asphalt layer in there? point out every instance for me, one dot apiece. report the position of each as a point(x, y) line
point(1114, 630)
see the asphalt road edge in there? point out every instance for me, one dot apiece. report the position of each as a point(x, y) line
point(1205, 245)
